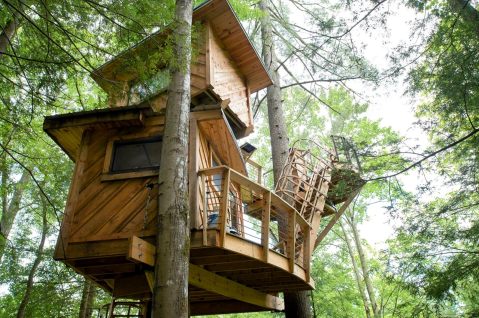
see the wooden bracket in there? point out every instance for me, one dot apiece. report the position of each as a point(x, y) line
point(335, 218)
point(140, 251)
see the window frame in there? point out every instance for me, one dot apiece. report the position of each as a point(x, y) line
point(108, 175)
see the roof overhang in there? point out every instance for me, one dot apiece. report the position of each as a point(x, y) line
point(227, 26)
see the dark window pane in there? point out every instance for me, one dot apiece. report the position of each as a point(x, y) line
point(136, 155)
point(217, 177)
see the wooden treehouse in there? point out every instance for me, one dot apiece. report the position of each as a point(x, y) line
point(248, 243)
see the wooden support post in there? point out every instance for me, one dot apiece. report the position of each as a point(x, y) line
point(260, 175)
point(193, 154)
point(204, 279)
point(72, 200)
point(223, 215)
point(291, 238)
point(205, 208)
point(140, 251)
point(335, 218)
point(110, 310)
point(265, 221)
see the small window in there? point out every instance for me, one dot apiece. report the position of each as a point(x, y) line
point(134, 155)
point(143, 88)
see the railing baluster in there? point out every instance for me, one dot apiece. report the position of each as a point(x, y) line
point(265, 223)
point(291, 238)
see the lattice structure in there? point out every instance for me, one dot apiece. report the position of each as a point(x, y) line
point(306, 178)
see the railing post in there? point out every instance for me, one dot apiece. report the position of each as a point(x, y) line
point(205, 208)
point(260, 175)
point(265, 220)
point(307, 253)
point(291, 238)
point(223, 215)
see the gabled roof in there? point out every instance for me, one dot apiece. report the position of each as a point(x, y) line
point(229, 29)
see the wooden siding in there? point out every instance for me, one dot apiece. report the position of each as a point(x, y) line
point(112, 208)
point(229, 82)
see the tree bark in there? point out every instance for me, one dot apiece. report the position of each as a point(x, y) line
point(10, 210)
point(297, 304)
point(36, 263)
point(364, 266)
point(8, 33)
point(170, 294)
point(356, 271)
point(91, 301)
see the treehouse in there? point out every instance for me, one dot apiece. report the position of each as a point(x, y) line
point(248, 243)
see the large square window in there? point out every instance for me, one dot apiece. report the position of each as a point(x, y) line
point(136, 155)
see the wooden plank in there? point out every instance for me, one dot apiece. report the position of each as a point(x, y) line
point(207, 114)
point(72, 200)
point(266, 223)
point(223, 213)
point(237, 177)
point(107, 237)
point(333, 221)
point(202, 278)
point(214, 170)
point(140, 251)
point(129, 175)
point(193, 166)
point(97, 249)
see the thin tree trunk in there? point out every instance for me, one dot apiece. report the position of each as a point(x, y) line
point(11, 210)
point(37, 261)
point(356, 270)
point(84, 299)
point(364, 266)
point(170, 294)
point(91, 301)
point(8, 33)
point(297, 304)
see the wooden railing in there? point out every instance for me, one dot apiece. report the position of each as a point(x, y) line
point(239, 206)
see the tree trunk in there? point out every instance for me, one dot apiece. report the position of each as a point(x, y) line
point(37, 261)
point(91, 301)
point(297, 304)
point(10, 211)
point(84, 299)
point(170, 294)
point(364, 266)
point(8, 33)
point(356, 270)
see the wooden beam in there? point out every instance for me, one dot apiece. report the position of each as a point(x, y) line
point(222, 307)
point(72, 200)
point(335, 218)
point(205, 208)
point(210, 74)
point(193, 154)
point(202, 278)
point(140, 251)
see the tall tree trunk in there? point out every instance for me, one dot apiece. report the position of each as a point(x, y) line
point(364, 266)
point(297, 304)
point(8, 33)
point(84, 299)
point(356, 270)
point(10, 210)
point(38, 259)
point(170, 294)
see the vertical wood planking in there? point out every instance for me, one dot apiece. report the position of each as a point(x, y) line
point(193, 152)
point(205, 208)
point(265, 223)
point(291, 238)
point(209, 54)
point(224, 206)
point(73, 194)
